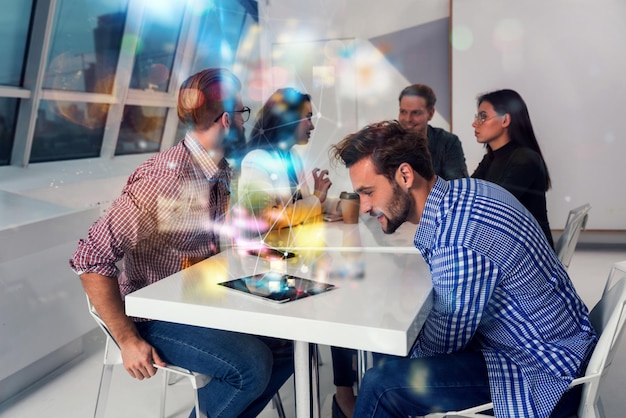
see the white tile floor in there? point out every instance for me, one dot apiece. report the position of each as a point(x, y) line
point(70, 392)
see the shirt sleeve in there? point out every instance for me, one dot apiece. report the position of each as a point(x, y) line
point(463, 282)
point(133, 216)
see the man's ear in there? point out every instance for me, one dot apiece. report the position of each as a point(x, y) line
point(224, 120)
point(405, 175)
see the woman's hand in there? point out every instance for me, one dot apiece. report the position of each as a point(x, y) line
point(321, 183)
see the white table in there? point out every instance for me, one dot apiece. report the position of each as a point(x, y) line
point(382, 311)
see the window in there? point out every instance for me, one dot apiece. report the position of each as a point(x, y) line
point(14, 27)
point(85, 47)
point(219, 36)
point(141, 130)
point(154, 57)
point(108, 78)
point(8, 108)
point(68, 130)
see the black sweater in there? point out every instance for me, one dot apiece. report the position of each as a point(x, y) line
point(522, 172)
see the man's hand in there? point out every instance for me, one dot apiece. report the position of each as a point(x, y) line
point(139, 359)
point(321, 183)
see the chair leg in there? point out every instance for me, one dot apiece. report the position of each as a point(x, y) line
point(199, 412)
point(164, 385)
point(277, 403)
point(103, 390)
point(362, 366)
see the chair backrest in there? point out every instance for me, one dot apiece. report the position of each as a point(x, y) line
point(576, 221)
point(607, 318)
point(617, 272)
point(99, 321)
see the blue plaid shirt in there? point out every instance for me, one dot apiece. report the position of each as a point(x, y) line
point(497, 283)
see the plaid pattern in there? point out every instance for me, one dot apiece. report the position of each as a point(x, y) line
point(166, 219)
point(498, 284)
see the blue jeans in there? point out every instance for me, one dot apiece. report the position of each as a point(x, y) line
point(402, 387)
point(246, 370)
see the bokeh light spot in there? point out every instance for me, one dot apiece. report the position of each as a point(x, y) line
point(131, 44)
point(507, 32)
point(462, 38)
point(159, 73)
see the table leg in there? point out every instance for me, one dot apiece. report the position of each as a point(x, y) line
point(302, 379)
point(361, 367)
point(315, 380)
point(306, 379)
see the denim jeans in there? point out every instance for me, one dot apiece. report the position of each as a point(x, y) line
point(246, 370)
point(402, 387)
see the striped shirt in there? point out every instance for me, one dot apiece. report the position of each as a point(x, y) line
point(498, 284)
point(165, 220)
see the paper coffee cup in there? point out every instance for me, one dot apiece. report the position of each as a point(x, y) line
point(349, 207)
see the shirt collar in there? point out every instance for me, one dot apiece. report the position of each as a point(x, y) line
point(203, 159)
point(431, 217)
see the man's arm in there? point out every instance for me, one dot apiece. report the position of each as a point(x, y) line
point(138, 356)
point(463, 282)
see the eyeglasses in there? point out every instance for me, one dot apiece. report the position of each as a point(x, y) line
point(245, 113)
point(482, 118)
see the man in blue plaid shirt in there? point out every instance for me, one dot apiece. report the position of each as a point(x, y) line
point(506, 326)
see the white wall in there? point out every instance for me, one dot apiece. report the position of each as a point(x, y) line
point(566, 58)
point(366, 85)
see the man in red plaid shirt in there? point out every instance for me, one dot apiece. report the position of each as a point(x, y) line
point(167, 218)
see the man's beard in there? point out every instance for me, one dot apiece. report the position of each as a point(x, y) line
point(234, 143)
point(398, 209)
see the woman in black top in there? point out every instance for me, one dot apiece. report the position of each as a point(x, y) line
point(513, 160)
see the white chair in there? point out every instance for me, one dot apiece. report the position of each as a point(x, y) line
point(113, 356)
point(576, 221)
point(607, 318)
point(617, 272)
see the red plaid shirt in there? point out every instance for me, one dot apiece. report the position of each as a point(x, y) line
point(166, 219)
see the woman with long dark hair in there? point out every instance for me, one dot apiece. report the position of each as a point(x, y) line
point(273, 184)
point(514, 159)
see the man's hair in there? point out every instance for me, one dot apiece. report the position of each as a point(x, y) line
point(278, 120)
point(420, 90)
point(205, 95)
point(388, 145)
